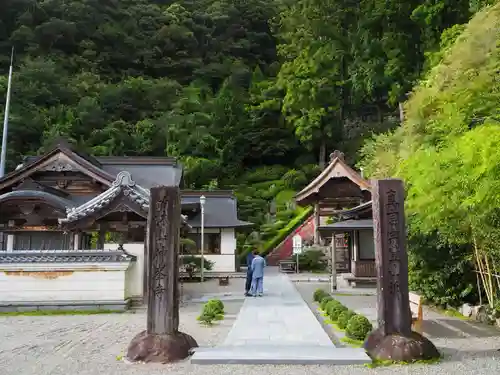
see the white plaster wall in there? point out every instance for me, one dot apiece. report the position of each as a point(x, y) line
point(222, 263)
point(133, 277)
point(225, 262)
point(18, 283)
point(228, 241)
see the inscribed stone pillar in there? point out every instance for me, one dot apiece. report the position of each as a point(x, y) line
point(146, 256)
point(391, 259)
point(393, 339)
point(162, 342)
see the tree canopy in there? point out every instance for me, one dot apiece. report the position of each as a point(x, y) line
point(252, 95)
point(448, 148)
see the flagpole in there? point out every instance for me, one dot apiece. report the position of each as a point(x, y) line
point(3, 155)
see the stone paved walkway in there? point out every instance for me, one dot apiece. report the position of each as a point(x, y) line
point(277, 325)
point(281, 317)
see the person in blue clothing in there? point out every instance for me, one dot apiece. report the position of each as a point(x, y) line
point(248, 283)
point(258, 265)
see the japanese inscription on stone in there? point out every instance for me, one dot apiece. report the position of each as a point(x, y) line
point(393, 235)
point(391, 256)
point(163, 258)
point(162, 341)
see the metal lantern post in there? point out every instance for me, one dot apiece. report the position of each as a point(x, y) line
point(202, 204)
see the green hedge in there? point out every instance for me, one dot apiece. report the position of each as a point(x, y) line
point(282, 233)
point(319, 294)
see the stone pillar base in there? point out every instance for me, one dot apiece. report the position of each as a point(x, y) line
point(400, 348)
point(151, 347)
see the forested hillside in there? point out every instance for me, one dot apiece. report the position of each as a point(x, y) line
point(448, 153)
point(245, 93)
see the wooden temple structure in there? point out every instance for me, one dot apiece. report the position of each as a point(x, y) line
point(341, 198)
point(67, 199)
point(74, 229)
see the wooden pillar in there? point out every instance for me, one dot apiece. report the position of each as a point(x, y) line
point(317, 238)
point(9, 246)
point(77, 237)
point(355, 245)
point(101, 238)
point(393, 340)
point(10, 243)
point(162, 341)
point(355, 252)
point(333, 250)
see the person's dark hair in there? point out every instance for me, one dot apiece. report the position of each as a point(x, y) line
point(255, 252)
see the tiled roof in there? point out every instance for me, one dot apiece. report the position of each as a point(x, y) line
point(123, 183)
point(59, 202)
point(220, 210)
point(61, 256)
point(337, 168)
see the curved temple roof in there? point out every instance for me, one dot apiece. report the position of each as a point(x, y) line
point(51, 199)
point(220, 206)
point(123, 183)
point(336, 169)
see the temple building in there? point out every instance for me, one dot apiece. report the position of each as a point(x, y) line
point(66, 211)
point(341, 198)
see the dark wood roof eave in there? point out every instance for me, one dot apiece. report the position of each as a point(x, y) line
point(315, 185)
point(364, 208)
point(17, 174)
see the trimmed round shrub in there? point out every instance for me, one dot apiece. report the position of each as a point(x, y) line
point(319, 294)
point(358, 327)
point(344, 318)
point(324, 301)
point(333, 304)
point(335, 311)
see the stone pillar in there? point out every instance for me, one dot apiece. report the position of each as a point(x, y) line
point(162, 341)
point(393, 339)
point(145, 291)
point(122, 238)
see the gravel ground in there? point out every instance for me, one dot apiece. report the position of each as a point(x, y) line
point(90, 344)
point(467, 347)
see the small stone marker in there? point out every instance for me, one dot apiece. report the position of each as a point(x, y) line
point(393, 339)
point(162, 341)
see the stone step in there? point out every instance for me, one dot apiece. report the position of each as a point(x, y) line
point(279, 355)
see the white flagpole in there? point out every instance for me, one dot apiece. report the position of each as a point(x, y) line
point(6, 119)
